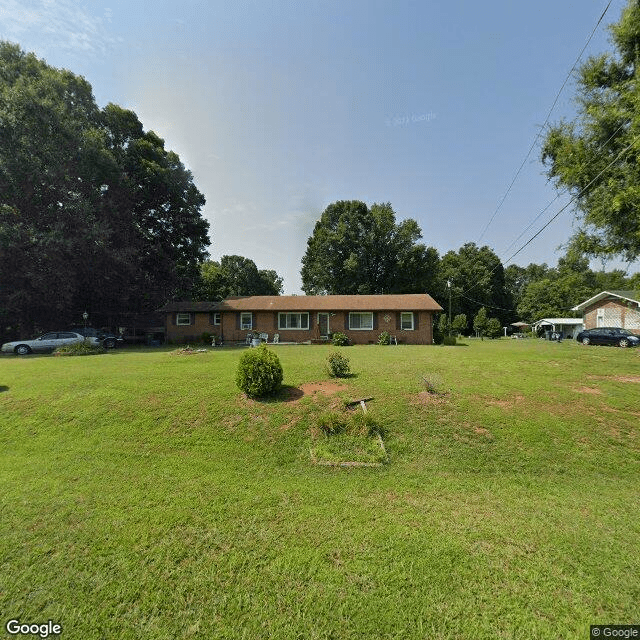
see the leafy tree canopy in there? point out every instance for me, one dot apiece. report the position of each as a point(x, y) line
point(494, 328)
point(236, 276)
point(562, 287)
point(481, 322)
point(355, 249)
point(459, 323)
point(95, 213)
point(477, 279)
point(607, 131)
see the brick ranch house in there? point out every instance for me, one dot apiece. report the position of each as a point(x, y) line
point(612, 309)
point(408, 317)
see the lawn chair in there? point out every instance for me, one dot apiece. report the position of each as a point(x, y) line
point(393, 340)
point(248, 338)
point(264, 337)
point(276, 338)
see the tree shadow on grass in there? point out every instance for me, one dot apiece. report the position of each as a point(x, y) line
point(289, 393)
point(286, 393)
point(3, 388)
point(348, 376)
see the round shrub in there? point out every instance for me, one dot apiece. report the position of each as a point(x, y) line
point(338, 365)
point(259, 372)
point(384, 338)
point(340, 340)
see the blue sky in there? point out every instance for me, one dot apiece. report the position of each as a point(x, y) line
point(280, 108)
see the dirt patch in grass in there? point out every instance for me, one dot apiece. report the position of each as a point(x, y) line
point(613, 410)
point(289, 425)
point(504, 404)
point(481, 431)
point(294, 394)
point(617, 378)
point(589, 390)
point(325, 388)
point(426, 397)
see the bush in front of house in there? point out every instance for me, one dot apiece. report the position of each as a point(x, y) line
point(384, 338)
point(79, 349)
point(449, 341)
point(340, 340)
point(206, 337)
point(259, 372)
point(338, 365)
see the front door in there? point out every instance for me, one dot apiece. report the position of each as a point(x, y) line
point(323, 324)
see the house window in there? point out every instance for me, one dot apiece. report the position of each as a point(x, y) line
point(246, 320)
point(216, 318)
point(183, 319)
point(361, 320)
point(406, 321)
point(293, 321)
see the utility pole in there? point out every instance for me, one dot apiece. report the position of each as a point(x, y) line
point(449, 285)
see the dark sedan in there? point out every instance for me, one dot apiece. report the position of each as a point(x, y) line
point(608, 335)
point(108, 340)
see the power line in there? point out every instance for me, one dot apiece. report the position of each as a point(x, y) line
point(561, 192)
point(578, 195)
point(515, 177)
point(535, 235)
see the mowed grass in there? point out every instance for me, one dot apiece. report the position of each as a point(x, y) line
point(144, 497)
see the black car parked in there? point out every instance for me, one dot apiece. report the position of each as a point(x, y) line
point(608, 335)
point(108, 340)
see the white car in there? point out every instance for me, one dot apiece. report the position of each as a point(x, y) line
point(47, 342)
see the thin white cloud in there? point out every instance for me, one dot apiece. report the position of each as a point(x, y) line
point(48, 25)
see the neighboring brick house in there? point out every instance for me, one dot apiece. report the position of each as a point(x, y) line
point(612, 309)
point(408, 317)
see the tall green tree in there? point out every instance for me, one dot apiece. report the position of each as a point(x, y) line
point(607, 132)
point(95, 214)
point(481, 322)
point(494, 328)
point(236, 276)
point(477, 279)
point(459, 324)
point(517, 278)
point(355, 249)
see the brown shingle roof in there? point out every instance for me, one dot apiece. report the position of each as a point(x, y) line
point(394, 302)
point(185, 305)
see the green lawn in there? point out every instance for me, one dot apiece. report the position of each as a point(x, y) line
point(144, 497)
